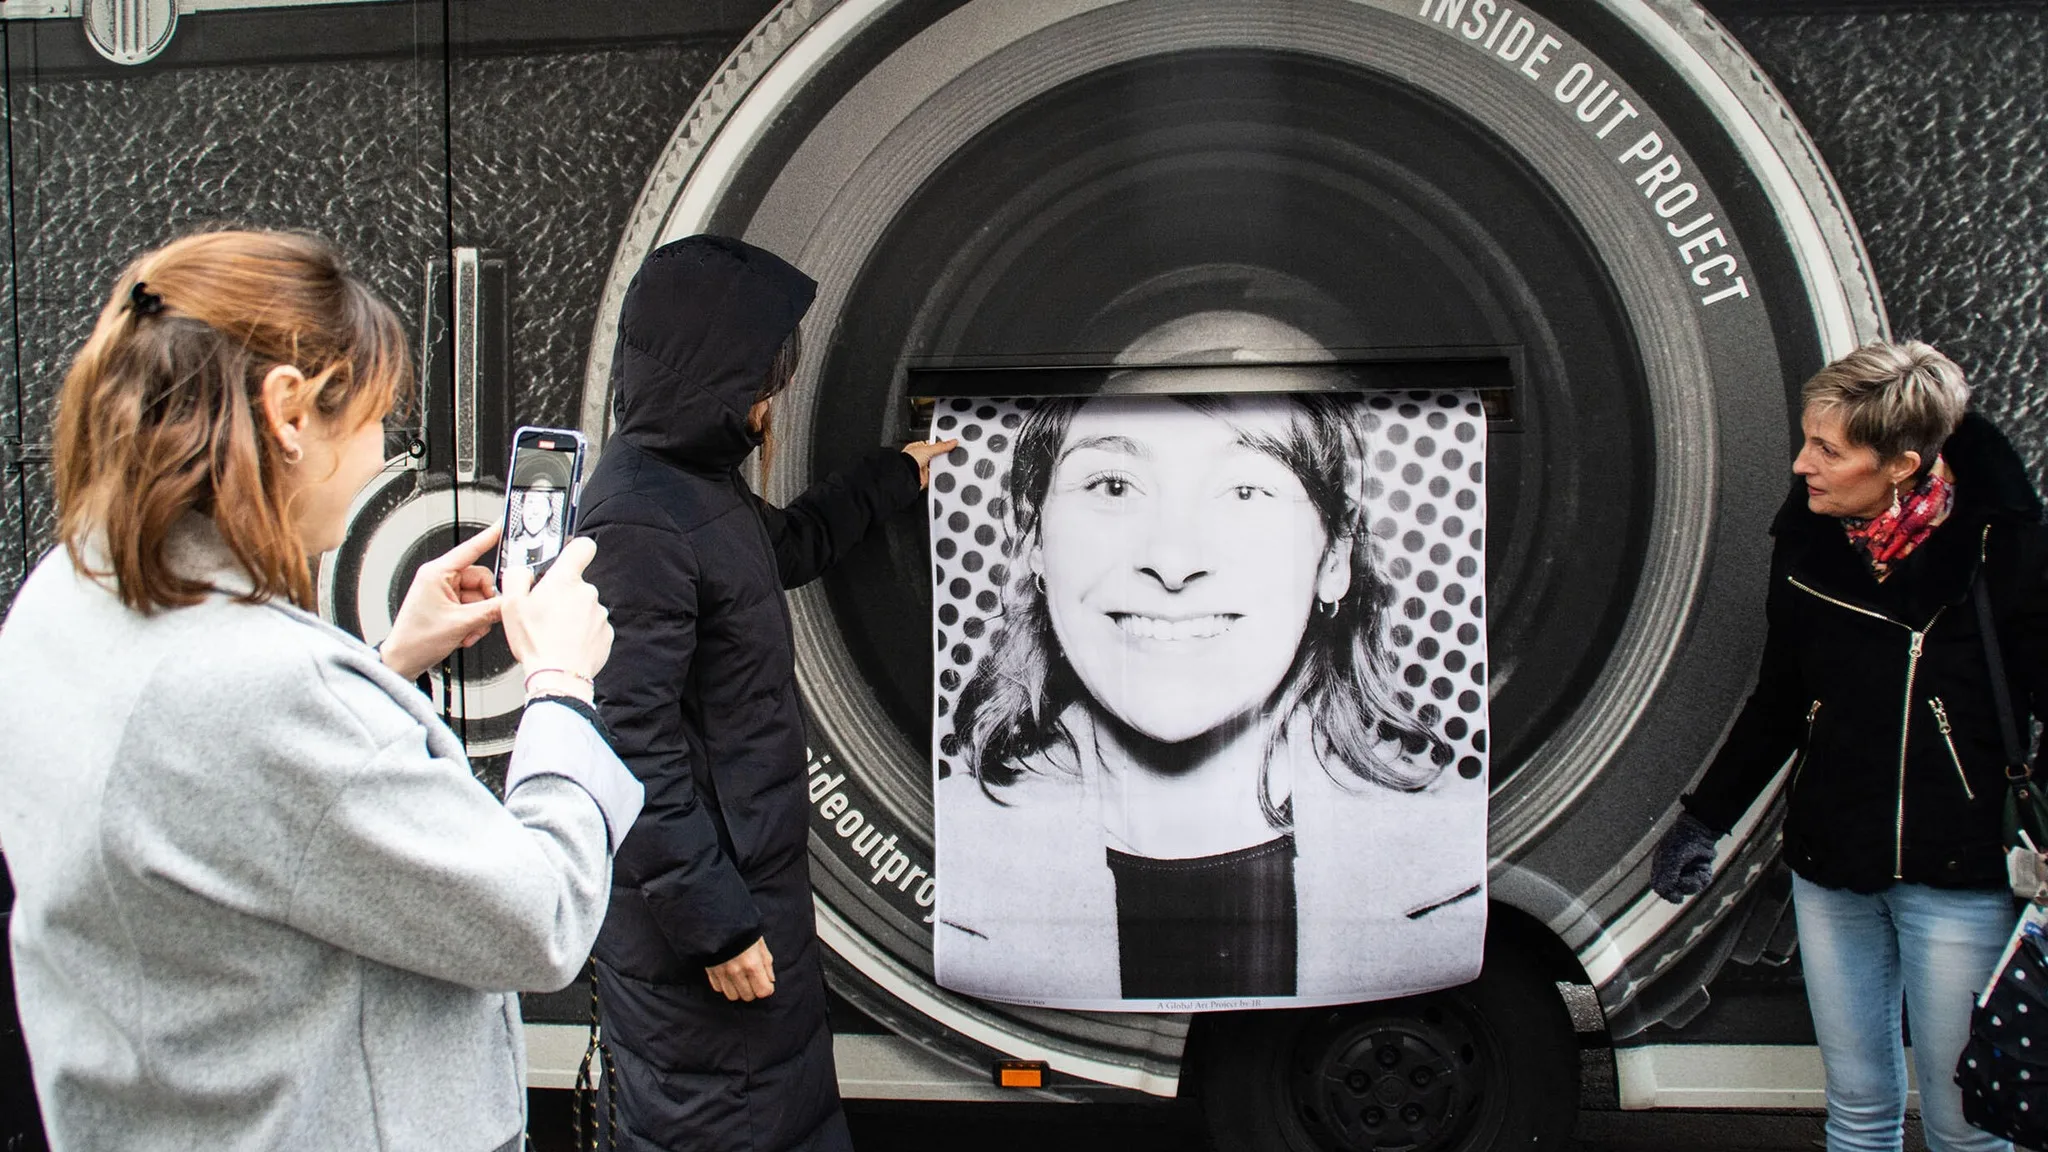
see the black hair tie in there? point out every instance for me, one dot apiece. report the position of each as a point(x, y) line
point(143, 301)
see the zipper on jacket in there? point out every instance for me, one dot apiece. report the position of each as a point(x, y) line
point(1805, 749)
point(1916, 639)
point(1905, 730)
point(1941, 721)
point(1856, 608)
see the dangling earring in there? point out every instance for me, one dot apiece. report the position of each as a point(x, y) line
point(1040, 578)
point(1895, 499)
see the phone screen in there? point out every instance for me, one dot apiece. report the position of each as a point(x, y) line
point(539, 500)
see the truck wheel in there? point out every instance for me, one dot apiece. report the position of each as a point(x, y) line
point(1489, 1065)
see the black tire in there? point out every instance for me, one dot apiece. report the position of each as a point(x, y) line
point(1493, 1064)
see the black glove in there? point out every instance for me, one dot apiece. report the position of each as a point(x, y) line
point(1684, 861)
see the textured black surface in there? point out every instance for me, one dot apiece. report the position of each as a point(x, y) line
point(11, 567)
point(10, 409)
point(296, 34)
point(1931, 122)
point(12, 540)
point(1928, 117)
point(104, 169)
point(549, 155)
point(39, 500)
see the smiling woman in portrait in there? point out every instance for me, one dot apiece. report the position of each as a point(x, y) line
point(536, 523)
point(1181, 741)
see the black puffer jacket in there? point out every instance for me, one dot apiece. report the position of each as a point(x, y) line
point(700, 694)
point(1882, 689)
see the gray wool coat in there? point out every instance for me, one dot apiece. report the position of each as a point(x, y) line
point(262, 903)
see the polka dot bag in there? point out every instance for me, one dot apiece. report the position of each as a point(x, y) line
point(2003, 1071)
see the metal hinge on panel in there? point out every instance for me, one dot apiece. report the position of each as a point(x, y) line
point(468, 317)
point(130, 31)
point(39, 9)
point(20, 452)
point(137, 31)
point(466, 365)
point(29, 451)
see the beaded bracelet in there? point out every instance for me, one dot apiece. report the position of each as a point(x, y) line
point(528, 685)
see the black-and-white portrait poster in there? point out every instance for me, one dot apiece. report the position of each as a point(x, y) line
point(534, 502)
point(1210, 726)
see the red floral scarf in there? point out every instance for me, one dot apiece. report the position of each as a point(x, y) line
point(1891, 536)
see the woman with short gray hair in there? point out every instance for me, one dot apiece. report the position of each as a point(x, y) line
point(1876, 686)
point(1900, 400)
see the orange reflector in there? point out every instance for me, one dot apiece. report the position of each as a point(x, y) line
point(1020, 1073)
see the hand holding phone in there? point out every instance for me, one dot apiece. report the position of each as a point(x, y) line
point(451, 604)
point(542, 484)
point(557, 626)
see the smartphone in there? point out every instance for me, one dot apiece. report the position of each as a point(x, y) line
point(541, 487)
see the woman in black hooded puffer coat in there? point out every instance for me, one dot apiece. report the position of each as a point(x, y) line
point(711, 991)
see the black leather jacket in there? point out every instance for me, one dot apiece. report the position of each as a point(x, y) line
point(1882, 691)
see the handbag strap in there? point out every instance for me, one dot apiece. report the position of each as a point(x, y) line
point(2001, 692)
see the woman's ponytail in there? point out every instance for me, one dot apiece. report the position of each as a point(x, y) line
point(161, 414)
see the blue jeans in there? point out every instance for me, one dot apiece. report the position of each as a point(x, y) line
point(1861, 953)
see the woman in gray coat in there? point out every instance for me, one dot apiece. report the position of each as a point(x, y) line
point(262, 902)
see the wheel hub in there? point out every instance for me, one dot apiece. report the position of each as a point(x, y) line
point(1389, 1085)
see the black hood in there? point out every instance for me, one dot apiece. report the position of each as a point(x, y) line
point(698, 332)
point(1991, 482)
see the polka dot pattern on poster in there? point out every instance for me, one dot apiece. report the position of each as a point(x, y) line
point(1425, 496)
